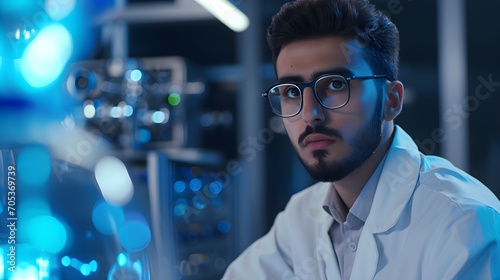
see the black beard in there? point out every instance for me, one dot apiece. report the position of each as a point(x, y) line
point(363, 145)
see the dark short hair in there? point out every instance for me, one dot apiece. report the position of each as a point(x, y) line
point(378, 37)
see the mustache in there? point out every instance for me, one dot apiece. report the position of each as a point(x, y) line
point(318, 129)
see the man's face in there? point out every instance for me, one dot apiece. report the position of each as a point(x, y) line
point(332, 143)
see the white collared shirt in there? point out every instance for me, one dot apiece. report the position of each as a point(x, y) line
point(348, 224)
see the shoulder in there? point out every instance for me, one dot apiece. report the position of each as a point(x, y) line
point(441, 180)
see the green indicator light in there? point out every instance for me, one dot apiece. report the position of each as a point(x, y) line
point(174, 99)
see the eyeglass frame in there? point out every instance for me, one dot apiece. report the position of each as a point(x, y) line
point(312, 85)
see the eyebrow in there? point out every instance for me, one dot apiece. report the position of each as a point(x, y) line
point(299, 79)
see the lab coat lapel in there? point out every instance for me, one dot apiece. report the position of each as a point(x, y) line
point(328, 263)
point(365, 263)
point(394, 189)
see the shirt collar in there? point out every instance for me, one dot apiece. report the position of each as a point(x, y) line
point(334, 206)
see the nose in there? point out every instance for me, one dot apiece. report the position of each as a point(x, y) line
point(312, 111)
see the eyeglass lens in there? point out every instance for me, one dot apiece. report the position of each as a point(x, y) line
point(286, 100)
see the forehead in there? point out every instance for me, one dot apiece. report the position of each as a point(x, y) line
point(306, 58)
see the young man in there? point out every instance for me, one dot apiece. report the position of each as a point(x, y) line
point(382, 209)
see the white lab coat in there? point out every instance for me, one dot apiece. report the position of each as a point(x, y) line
point(429, 220)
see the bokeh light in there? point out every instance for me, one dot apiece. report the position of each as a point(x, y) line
point(179, 186)
point(33, 166)
point(46, 56)
point(66, 261)
point(215, 187)
point(121, 259)
point(25, 271)
point(135, 75)
point(46, 233)
point(114, 181)
point(143, 135)
point(107, 218)
point(58, 9)
point(224, 226)
point(174, 99)
point(85, 269)
point(199, 202)
point(135, 234)
point(159, 117)
point(195, 184)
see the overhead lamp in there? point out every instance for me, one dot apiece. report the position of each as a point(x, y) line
point(227, 13)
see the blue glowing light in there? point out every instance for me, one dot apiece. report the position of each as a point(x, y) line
point(121, 259)
point(215, 187)
point(43, 268)
point(207, 120)
point(179, 186)
point(26, 271)
point(46, 233)
point(180, 207)
point(135, 75)
point(107, 218)
point(128, 111)
point(66, 261)
point(195, 184)
point(33, 166)
point(137, 266)
point(116, 112)
point(93, 265)
point(46, 56)
point(180, 210)
point(224, 226)
point(158, 117)
point(143, 135)
point(199, 202)
point(85, 269)
point(134, 235)
point(58, 10)
point(75, 263)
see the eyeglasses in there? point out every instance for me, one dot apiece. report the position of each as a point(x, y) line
point(332, 92)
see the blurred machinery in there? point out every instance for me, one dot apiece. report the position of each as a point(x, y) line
point(121, 214)
point(192, 214)
point(149, 110)
point(139, 103)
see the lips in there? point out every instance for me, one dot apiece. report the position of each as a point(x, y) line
point(317, 141)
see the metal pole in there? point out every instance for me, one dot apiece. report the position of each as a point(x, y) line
point(119, 33)
point(250, 183)
point(452, 63)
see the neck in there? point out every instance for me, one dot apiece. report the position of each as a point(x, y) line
point(351, 186)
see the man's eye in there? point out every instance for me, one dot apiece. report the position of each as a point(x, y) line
point(336, 85)
point(292, 92)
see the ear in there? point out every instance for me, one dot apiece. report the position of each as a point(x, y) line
point(394, 100)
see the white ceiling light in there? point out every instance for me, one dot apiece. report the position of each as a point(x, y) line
point(227, 13)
